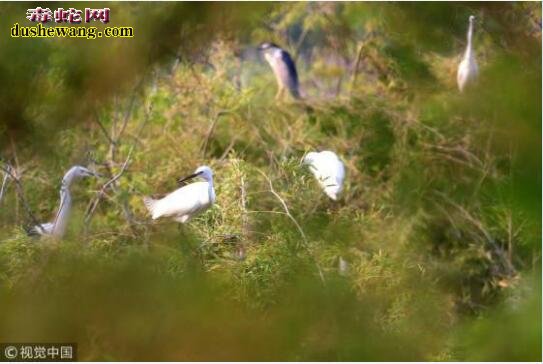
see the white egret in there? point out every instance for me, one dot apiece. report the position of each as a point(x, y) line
point(467, 69)
point(57, 227)
point(283, 68)
point(187, 201)
point(329, 171)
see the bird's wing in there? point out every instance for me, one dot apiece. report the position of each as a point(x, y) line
point(185, 200)
point(462, 70)
point(287, 71)
point(43, 229)
point(330, 168)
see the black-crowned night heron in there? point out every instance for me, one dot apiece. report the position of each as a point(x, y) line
point(57, 228)
point(467, 69)
point(283, 67)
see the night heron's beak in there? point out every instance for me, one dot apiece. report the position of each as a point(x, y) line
point(181, 180)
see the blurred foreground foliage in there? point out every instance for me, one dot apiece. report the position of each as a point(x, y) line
point(433, 252)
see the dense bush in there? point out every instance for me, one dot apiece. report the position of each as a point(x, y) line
point(439, 222)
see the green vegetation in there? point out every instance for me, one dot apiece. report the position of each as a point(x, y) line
point(439, 221)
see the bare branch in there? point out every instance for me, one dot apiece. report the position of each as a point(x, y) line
point(4, 185)
point(92, 206)
point(131, 105)
point(20, 192)
point(97, 120)
point(112, 182)
point(498, 250)
point(228, 149)
point(299, 43)
point(211, 130)
point(357, 65)
point(287, 212)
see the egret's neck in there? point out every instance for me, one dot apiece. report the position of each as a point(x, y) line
point(470, 36)
point(68, 178)
point(61, 220)
point(211, 190)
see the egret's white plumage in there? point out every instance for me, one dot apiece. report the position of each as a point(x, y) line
point(467, 69)
point(329, 171)
point(57, 227)
point(187, 201)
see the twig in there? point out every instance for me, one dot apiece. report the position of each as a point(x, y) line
point(228, 149)
point(130, 107)
point(92, 206)
point(4, 184)
point(266, 212)
point(287, 212)
point(16, 160)
point(497, 249)
point(298, 45)
point(97, 120)
point(20, 191)
point(113, 142)
point(211, 130)
point(357, 65)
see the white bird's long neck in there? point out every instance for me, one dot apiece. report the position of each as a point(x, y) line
point(61, 219)
point(469, 46)
point(68, 178)
point(211, 190)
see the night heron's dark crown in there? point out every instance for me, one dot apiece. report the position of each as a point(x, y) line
point(267, 45)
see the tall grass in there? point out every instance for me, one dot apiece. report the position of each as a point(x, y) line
point(439, 221)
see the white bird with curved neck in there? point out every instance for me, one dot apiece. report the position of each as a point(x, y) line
point(467, 69)
point(57, 228)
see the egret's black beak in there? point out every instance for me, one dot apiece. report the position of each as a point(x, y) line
point(181, 180)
